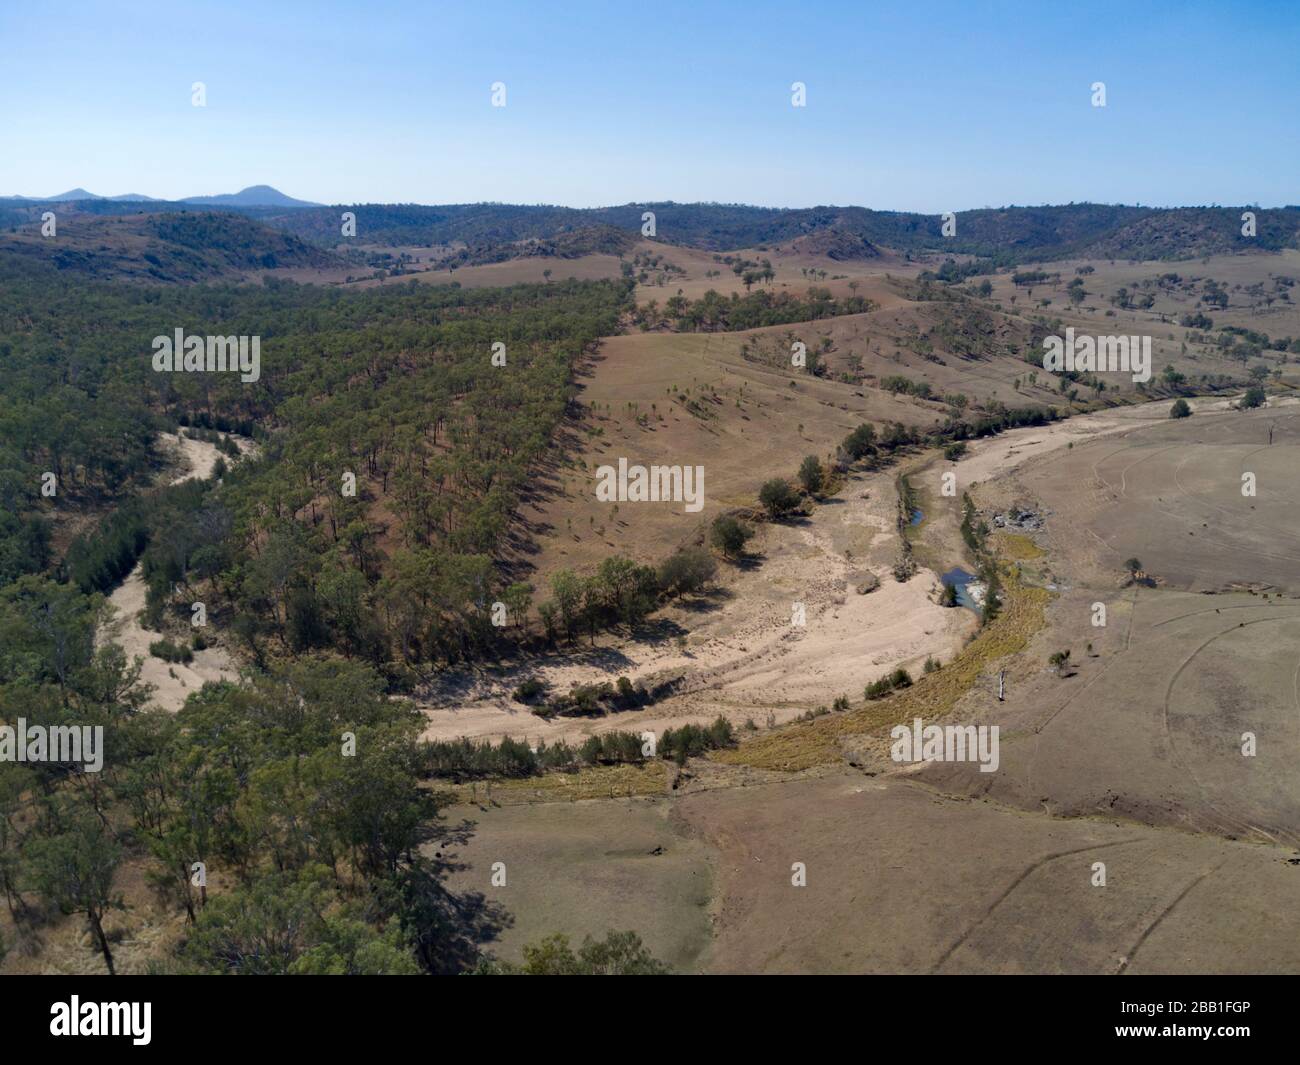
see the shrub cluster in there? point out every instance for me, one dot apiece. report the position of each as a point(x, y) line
point(894, 681)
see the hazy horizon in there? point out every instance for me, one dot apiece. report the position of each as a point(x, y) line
point(638, 203)
point(928, 110)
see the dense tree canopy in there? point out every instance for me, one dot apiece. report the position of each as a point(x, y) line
point(394, 447)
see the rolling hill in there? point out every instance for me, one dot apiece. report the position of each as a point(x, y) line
point(175, 247)
point(494, 232)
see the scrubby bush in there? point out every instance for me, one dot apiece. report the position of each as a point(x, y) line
point(687, 571)
point(777, 497)
point(170, 652)
point(529, 691)
point(1060, 661)
point(904, 569)
point(810, 475)
point(729, 535)
point(878, 689)
point(861, 442)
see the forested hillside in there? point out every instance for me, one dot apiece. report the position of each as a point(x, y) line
point(1006, 235)
point(394, 387)
point(569, 244)
point(167, 247)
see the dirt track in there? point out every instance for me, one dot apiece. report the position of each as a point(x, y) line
point(900, 879)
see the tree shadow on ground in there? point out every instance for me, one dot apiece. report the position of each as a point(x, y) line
point(449, 929)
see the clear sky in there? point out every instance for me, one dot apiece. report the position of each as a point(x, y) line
point(910, 106)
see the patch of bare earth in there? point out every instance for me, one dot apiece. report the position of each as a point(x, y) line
point(173, 682)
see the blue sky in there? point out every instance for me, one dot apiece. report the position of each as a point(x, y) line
point(911, 106)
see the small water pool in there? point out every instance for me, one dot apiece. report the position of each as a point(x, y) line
point(959, 579)
point(917, 517)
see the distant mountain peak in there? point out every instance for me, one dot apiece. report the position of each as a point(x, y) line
point(75, 194)
point(253, 196)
